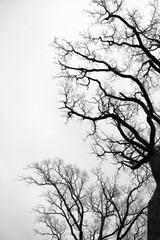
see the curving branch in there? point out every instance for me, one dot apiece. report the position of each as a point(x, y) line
point(109, 77)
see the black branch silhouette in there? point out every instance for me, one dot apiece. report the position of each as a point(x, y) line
point(123, 56)
point(110, 78)
point(75, 208)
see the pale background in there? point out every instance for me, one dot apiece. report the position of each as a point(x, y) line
point(31, 128)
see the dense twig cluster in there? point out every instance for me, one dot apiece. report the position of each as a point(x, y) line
point(109, 78)
point(77, 209)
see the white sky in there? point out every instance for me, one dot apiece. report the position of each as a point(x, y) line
point(31, 128)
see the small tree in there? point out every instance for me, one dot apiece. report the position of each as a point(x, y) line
point(77, 209)
point(110, 79)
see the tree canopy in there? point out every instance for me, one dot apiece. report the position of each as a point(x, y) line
point(110, 77)
point(81, 208)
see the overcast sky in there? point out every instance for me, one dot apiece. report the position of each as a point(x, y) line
point(31, 128)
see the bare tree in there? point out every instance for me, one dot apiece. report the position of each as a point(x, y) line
point(74, 208)
point(110, 78)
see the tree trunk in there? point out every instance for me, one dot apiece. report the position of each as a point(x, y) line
point(154, 203)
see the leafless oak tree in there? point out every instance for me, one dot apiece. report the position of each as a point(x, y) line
point(110, 78)
point(81, 209)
